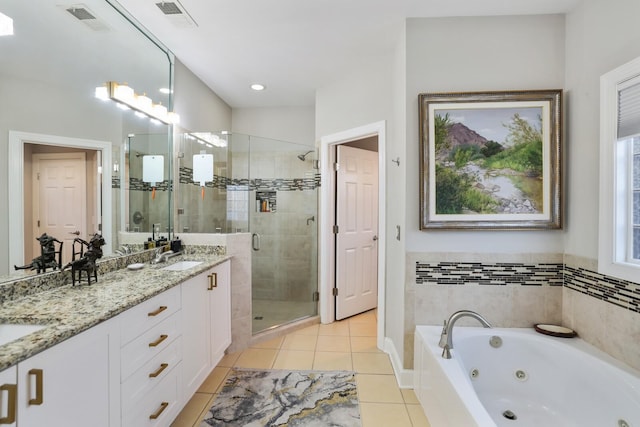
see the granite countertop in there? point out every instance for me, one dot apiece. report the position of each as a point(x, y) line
point(68, 310)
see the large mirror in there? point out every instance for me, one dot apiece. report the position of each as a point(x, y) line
point(53, 128)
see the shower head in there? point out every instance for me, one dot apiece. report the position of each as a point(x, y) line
point(303, 156)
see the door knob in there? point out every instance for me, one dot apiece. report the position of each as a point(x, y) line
point(375, 238)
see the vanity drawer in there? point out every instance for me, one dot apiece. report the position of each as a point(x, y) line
point(148, 345)
point(159, 407)
point(149, 313)
point(149, 375)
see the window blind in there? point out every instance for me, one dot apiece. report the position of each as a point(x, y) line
point(629, 110)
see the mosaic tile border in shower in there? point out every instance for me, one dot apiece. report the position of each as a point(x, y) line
point(281, 184)
point(223, 183)
point(136, 184)
point(619, 292)
point(476, 273)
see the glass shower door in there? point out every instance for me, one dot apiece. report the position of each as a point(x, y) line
point(283, 221)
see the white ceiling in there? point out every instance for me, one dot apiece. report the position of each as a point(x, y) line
point(297, 46)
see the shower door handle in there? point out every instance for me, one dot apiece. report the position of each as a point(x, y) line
point(255, 241)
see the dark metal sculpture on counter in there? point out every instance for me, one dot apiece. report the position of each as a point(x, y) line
point(87, 260)
point(47, 258)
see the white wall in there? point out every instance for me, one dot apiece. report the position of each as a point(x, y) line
point(478, 54)
point(368, 94)
point(601, 35)
point(291, 124)
point(200, 109)
point(362, 96)
point(397, 196)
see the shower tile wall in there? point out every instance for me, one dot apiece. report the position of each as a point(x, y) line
point(203, 216)
point(208, 214)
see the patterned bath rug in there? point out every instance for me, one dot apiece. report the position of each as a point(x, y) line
point(253, 398)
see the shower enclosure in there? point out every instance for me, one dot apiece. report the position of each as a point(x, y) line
point(283, 223)
point(268, 188)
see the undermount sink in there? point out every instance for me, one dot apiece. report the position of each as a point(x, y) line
point(182, 265)
point(11, 332)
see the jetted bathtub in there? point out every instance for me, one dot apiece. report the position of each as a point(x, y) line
point(521, 379)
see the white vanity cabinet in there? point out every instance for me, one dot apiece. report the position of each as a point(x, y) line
point(137, 369)
point(67, 385)
point(8, 396)
point(206, 324)
point(150, 358)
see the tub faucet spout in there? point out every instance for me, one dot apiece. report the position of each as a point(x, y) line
point(447, 332)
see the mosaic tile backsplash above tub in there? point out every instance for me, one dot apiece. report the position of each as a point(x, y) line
point(619, 292)
point(476, 273)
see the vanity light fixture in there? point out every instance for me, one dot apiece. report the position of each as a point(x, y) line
point(124, 95)
point(258, 87)
point(6, 25)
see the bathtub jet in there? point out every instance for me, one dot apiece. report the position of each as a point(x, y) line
point(509, 415)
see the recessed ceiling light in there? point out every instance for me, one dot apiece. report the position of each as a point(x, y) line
point(165, 90)
point(6, 25)
point(258, 86)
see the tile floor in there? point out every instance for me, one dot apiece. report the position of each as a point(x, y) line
point(346, 345)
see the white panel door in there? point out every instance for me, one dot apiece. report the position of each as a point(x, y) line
point(60, 198)
point(356, 241)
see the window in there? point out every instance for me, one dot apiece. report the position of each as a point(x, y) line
point(619, 231)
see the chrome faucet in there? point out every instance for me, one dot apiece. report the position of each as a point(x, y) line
point(164, 256)
point(447, 331)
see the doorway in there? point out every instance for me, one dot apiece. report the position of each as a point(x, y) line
point(327, 215)
point(19, 192)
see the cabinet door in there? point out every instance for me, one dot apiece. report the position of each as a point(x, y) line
point(68, 384)
point(196, 358)
point(8, 397)
point(220, 301)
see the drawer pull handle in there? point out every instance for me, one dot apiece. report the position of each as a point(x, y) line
point(39, 374)
point(159, 412)
point(213, 281)
point(158, 341)
point(158, 311)
point(12, 390)
point(162, 367)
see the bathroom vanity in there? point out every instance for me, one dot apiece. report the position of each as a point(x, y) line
point(129, 350)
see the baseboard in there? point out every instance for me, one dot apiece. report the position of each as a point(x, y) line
point(403, 376)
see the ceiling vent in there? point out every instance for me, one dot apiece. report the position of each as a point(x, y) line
point(176, 13)
point(82, 13)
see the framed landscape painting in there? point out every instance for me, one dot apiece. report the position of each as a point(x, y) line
point(491, 160)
